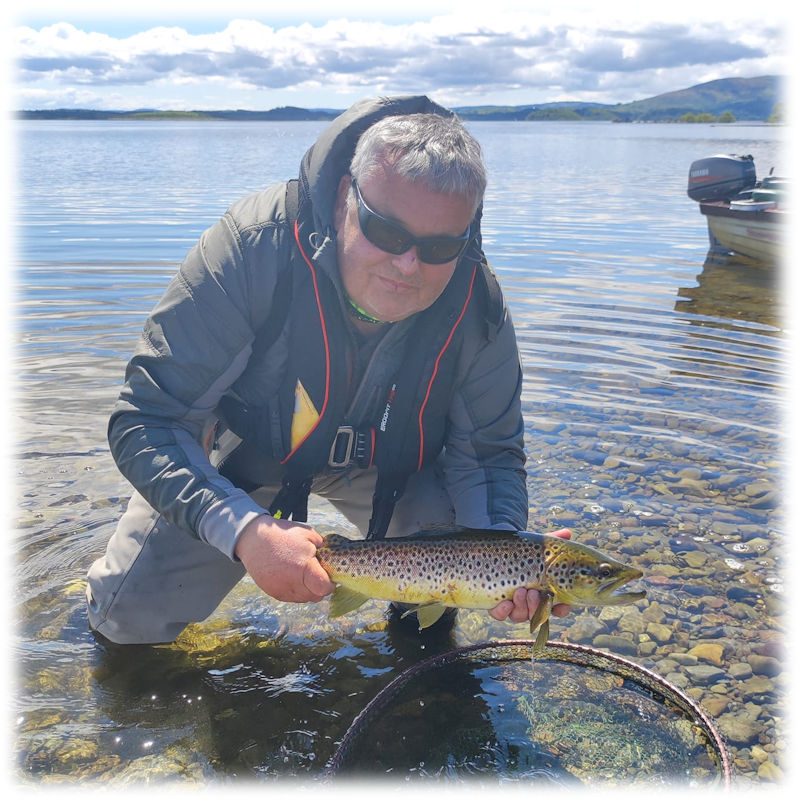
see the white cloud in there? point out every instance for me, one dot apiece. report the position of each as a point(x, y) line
point(463, 58)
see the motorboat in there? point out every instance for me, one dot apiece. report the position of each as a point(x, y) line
point(745, 216)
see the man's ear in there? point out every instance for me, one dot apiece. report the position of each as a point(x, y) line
point(340, 209)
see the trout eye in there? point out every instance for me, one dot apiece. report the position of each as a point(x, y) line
point(605, 571)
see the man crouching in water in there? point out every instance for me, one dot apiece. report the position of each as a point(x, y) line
point(341, 334)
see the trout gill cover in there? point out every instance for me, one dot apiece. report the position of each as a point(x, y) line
point(472, 569)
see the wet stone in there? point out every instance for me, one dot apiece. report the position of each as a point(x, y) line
point(758, 754)
point(704, 674)
point(712, 653)
point(634, 546)
point(666, 665)
point(589, 456)
point(616, 644)
point(715, 704)
point(768, 500)
point(726, 481)
point(711, 602)
point(654, 520)
point(765, 665)
point(684, 659)
point(758, 689)
point(678, 679)
point(710, 631)
point(740, 671)
point(774, 649)
point(743, 611)
point(661, 633)
point(665, 570)
point(610, 614)
point(691, 487)
point(749, 532)
point(678, 449)
point(647, 648)
point(632, 622)
point(742, 593)
point(695, 558)
point(721, 689)
point(724, 528)
point(758, 488)
point(770, 772)
point(585, 628)
point(741, 728)
point(758, 544)
point(654, 612)
point(548, 426)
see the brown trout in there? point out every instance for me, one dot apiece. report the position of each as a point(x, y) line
point(472, 569)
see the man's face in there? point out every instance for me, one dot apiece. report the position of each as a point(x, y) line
point(393, 287)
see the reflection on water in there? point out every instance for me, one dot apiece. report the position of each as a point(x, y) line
point(731, 290)
point(653, 414)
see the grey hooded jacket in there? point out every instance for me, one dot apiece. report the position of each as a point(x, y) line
point(197, 345)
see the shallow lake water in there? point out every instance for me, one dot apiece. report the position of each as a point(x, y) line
point(654, 415)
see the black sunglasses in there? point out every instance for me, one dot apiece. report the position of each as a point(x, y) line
point(392, 238)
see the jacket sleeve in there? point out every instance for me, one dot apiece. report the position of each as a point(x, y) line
point(484, 457)
point(194, 345)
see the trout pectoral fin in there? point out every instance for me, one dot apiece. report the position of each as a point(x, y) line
point(541, 639)
point(428, 614)
point(542, 613)
point(541, 620)
point(344, 600)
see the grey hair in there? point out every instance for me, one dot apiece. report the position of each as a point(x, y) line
point(433, 149)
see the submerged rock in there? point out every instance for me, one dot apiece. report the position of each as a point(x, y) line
point(661, 633)
point(770, 772)
point(708, 651)
point(740, 728)
point(704, 674)
point(765, 665)
point(616, 644)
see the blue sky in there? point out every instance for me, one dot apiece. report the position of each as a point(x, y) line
point(260, 55)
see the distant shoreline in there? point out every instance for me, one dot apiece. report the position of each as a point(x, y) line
point(88, 114)
point(724, 101)
point(260, 117)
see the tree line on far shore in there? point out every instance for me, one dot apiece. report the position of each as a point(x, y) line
point(776, 116)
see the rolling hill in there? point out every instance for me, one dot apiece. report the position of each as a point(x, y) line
point(746, 99)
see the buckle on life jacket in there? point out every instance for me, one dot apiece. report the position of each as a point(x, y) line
point(350, 445)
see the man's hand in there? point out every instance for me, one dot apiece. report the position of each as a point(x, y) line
point(525, 601)
point(280, 556)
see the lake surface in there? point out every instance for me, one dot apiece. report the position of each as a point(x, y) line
point(654, 413)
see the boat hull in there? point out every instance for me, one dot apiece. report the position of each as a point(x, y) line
point(757, 234)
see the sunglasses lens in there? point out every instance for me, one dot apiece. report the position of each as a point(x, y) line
point(393, 239)
point(440, 251)
point(386, 236)
point(396, 241)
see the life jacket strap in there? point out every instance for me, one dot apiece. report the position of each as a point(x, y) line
point(387, 492)
point(292, 500)
point(352, 446)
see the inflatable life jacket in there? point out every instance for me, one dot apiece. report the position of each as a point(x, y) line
point(412, 420)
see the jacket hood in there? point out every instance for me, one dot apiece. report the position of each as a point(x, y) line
point(329, 157)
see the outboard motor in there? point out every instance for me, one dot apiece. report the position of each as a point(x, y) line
point(721, 177)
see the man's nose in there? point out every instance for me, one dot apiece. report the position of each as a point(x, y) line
point(407, 262)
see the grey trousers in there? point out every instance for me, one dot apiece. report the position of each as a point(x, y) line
point(155, 578)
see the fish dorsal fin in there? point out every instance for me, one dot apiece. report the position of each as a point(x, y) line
point(344, 600)
point(429, 613)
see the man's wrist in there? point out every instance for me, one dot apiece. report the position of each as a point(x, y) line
point(224, 522)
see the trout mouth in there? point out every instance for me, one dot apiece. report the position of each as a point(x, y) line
point(609, 592)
